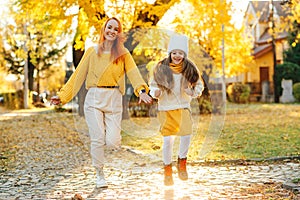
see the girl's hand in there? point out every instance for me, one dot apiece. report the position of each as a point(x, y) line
point(189, 91)
point(145, 98)
point(55, 100)
point(157, 93)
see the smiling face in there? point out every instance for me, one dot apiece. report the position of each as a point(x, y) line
point(177, 56)
point(111, 30)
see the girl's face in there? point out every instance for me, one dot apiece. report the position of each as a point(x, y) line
point(111, 30)
point(177, 56)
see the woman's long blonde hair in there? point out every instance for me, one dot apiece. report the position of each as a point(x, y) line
point(118, 49)
point(163, 74)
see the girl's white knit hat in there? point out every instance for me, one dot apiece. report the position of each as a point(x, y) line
point(179, 42)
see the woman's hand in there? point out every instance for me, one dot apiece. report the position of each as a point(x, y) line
point(145, 98)
point(55, 100)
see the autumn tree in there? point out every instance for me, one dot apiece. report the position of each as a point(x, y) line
point(40, 56)
point(203, 23)
point(2, 65)
point(13, 55)
point(293, 53)
point(293, 6)
point(292, 26)
point(32, 38)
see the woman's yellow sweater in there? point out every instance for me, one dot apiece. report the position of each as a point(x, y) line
point(101, 71)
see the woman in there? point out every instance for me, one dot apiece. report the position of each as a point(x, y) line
point(176, 80)
point(103, 68)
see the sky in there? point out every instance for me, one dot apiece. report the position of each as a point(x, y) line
point(3, 10)
point(240, 6)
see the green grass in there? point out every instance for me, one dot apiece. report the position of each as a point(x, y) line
point(250, 131)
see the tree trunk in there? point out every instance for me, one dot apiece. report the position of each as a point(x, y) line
point(125, 102)
point(30, 74)
point(77, 55)
point(81, 97)
point(38, 81)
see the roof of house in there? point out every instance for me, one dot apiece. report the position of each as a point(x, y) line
point(261, 50)
point(266, 37)
point(263, 44)
point(264, 9)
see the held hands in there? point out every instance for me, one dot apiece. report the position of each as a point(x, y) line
point(189, 91)
point(145, 98)
point(55, 100)
point(157, 93)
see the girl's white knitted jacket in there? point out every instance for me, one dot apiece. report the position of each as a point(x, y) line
point(179, 97)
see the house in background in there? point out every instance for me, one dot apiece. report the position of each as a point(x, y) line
point(258, 22)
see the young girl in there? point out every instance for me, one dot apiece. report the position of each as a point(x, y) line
point(103, 68)
point(176, 80)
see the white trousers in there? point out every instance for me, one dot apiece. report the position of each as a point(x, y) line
point(168, 142)
point(103, 115)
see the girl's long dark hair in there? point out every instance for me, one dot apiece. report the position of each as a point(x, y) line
point(163, 74)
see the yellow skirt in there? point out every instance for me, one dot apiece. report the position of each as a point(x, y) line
point(175, 122)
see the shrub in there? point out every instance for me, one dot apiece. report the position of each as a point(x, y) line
point(296, 91)
point(238, 93)
point(13, 100)
point(205, 106)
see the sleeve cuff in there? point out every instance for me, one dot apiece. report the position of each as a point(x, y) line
point(139, 90)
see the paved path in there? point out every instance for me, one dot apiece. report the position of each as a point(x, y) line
point(38, 175)
point(130, 179)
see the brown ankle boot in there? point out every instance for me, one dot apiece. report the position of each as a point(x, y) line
point(168, 180)
point(181, 167)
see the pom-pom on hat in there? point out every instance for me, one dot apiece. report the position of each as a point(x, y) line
point(179, 42)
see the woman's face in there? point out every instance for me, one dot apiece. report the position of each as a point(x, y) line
point(111, 30)
point(177, 56)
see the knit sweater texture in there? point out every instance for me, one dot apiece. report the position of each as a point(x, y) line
point(99, 71)
point(178, 98)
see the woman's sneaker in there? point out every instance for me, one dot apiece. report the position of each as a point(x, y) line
point(100, 182)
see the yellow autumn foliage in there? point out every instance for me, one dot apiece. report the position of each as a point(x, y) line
point(199, 19)
point(204, 24)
